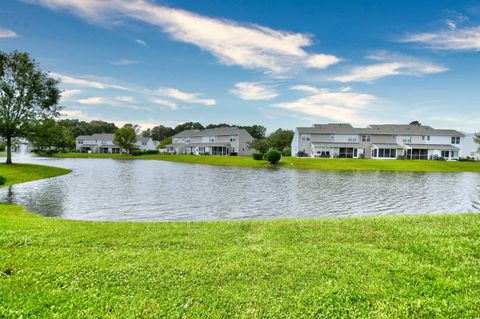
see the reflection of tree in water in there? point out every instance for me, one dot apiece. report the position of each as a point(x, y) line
point(45, 198)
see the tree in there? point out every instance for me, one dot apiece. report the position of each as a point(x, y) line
point(125, 137)
point(84, 128)
point(48, 133)
point(188, 126)
point(256, 131)
point(280, 139)
point(165, 142)
point(26, 94)
point(417, 123)
point(159, 133)
point(259, 144)
point(476, 138)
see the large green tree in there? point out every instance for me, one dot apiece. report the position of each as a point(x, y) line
point(78, 127)
point(125, 137)
point(27, 94)
point(280, 139)
point(49, 133)
point(259, 144)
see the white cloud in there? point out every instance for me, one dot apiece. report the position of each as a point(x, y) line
point(141, 42)
point(77, 114)
point(124, 62)
point(254, 91)
point(94, 100)
point(247, 45)
point(79, 82)
point(389, 65)
point(169, 104)
point(184, 96)
point(68, 95)
point(6, 33)
point(454, 39)
point(337, 105)
point(125, 99)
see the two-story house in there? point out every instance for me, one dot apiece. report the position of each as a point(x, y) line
point(103, 143)
point(215, 141)
point(386, 141)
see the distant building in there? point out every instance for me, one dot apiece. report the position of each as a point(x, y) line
point(471, 148)
point(103, 143)
point(215, 141)
point(386, 141)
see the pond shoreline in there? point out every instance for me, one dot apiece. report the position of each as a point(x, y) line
point(301, 163)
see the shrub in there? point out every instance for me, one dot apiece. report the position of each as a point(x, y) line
point(2, 180)
point(257, 156)
point(274, 156)
point(287, 151)
point(137, 152)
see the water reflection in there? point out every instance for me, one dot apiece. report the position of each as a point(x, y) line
point(105, 189)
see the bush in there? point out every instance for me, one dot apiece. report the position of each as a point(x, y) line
point(137, 152)
point(2, 180)
point(287, 151)
point(274, 156)
point(467, 159)
point(257, 156)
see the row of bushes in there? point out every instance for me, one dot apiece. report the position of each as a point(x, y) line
point(137, 152)
point(272, 156)
point(3, 180)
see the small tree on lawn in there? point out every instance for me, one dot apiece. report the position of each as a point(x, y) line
point(27, 94)
point(125, 137)
point(260, 145)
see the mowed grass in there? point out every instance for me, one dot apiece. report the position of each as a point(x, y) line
point(377, 267)
point(19, 173)
point(302, 163)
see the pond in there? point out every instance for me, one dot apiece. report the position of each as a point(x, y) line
point(142, 190)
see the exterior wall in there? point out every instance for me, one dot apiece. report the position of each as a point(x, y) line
point(382, 139)
point(345, 138)
point(294, 146)
point(243, 138)
point(471, 148)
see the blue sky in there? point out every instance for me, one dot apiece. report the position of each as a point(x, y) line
point(275, 63)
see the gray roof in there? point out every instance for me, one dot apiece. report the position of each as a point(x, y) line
point(333, 144)
point(383, 129)
point(387, 145)
point(101, 137)
point(440, 147)
point(211, 132)
point(206, 144)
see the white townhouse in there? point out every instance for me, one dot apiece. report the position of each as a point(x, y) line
point(471, 149)
point(386, 141)
point(103, 143)
point(215, 141)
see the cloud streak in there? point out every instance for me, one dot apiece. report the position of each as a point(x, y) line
point(254, 91)
point(193, 98)
point(338, 105)
point(85, 83)
point(389, 65)
point(6, 33)
point(455, 39)
point(247, 45)
point(124, 62)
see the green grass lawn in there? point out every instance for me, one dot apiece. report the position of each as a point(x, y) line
point(303, 163)
point(383, 267)
point(19, 173)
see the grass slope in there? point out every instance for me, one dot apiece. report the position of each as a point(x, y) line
point(383, 267)
point(303, 163)
point(19, 173)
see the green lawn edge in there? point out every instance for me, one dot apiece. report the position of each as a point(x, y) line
point(20, 173)
point(300, 163)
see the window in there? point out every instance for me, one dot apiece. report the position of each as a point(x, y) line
point(445, 154)
point(104, 142)
point(345, 152)
point(407, 139)
point(352, 139)
point(385, 153)
point(428, 138)
point(455, 140)
point(394, 138)
point(187, 140)
point(80, 141)
point(212, 139)
point(144, 143)
point(306, 138)
point(365, 138)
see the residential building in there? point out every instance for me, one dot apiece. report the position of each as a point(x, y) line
point(103, 143)
point(215, 141)
point(471, 149)
point(386, 141)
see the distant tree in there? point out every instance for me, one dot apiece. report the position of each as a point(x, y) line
point(218, 125)
point(256, 131)
point(165, 142)
point(78, 127)
point(188, 126)
point(280, 139)
point(125, 137)
point(416, 123)
point(26, 94)
point(476, 138)
point(259, 144)
point(49, 134)
point(159, 133)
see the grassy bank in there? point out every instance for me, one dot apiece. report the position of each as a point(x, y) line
point(415, 266)
point(19, 173)
point(303, 163)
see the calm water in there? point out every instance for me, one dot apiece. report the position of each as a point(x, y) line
point(106, 189)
